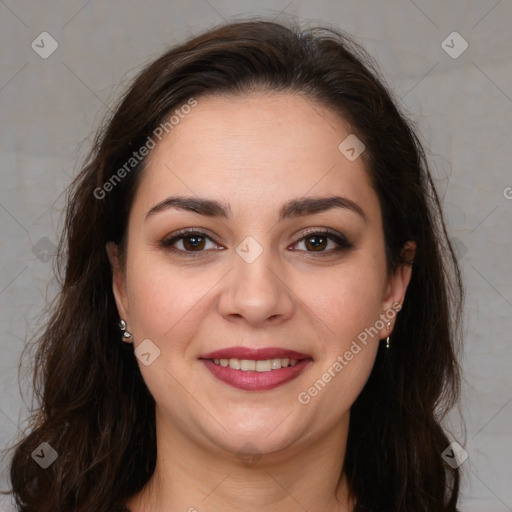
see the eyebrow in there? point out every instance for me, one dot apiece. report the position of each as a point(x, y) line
point(291, 209)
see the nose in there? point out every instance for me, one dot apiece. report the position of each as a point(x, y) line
point(257, 292)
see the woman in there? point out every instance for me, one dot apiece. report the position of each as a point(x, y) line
point(260, 305)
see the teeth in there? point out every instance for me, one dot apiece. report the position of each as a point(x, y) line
point(264, 366)
point(261, 365)
point(234, 364)
point(247, 365)
point(276, 364)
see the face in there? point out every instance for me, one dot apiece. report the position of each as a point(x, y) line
point(266, 315)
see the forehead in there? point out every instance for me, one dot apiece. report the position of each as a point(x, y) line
point(256, 148)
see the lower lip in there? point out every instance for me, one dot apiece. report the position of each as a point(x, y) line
point(256, 381)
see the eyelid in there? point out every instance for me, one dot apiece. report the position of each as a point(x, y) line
point(168, 240)
point(320, 230)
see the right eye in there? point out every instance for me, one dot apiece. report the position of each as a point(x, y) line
point(192, 242)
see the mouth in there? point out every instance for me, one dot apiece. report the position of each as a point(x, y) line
point(256, 369)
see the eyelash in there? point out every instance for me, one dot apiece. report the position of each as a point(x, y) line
point(338, 238)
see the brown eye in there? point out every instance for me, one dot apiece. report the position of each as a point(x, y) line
point(316, 242)
point(193, 242)
point(319, 241)
point(189, 243)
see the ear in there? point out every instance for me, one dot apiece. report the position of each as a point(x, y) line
point(397, 286)
point(118, 280)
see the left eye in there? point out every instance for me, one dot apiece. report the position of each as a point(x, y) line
point(319, 241)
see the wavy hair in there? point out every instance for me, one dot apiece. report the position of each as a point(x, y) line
point(94, 408)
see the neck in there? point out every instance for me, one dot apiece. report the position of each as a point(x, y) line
point(193, 477)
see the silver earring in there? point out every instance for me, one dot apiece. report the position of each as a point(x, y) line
point(127, 336)
point(388, 325)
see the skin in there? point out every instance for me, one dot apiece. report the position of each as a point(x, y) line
point(255, 153)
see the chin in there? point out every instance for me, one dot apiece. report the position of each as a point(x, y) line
point(257, 435)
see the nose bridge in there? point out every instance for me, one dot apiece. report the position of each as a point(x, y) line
point(255, 290)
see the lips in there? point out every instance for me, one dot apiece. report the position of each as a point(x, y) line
point(256, 369)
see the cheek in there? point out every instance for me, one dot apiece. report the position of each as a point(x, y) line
point(164, 301)
point(347, 345)
point(347, 299)
point(346, 307)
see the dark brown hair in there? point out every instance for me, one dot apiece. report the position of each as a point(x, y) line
point(95, 409)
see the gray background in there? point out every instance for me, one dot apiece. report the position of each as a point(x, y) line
point(462, 106)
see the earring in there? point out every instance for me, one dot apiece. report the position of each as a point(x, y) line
point(127, 336)
point(388, 325)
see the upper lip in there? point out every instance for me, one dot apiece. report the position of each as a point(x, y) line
point(254, 353)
